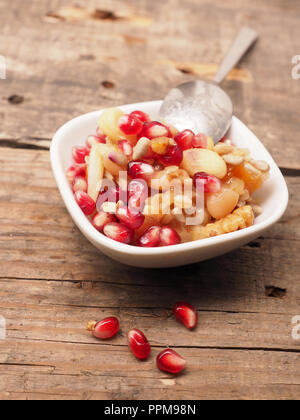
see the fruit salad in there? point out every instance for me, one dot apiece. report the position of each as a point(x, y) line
point(144, 183)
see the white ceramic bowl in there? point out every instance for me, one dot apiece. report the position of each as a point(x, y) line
point(273, 196)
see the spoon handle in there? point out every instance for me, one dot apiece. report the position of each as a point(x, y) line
point(245, 38)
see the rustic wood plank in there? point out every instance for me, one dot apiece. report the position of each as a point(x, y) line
point(73, 68)
point(92, 372)
point(36, 313)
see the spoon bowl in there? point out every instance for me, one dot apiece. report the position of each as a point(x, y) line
point(200, 106)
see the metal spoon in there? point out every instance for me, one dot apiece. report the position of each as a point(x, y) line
point(204, 107)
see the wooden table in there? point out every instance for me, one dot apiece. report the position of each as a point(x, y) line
point(63, 61)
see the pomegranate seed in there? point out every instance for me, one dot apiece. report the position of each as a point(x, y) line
point(185, 139)
point(119, 232)
point(94, 140)
point(107, 328)
point(210, 183)
point(170, 361)
point(137, 194)
point(151, 238)
point(140, 169)
point(173, 156)
point(131, 218)
point(126, 147)
point(111, 194)
point(79, 154)
point(200, 141)
point(79, 184)
point(138, 344)
point(154, 129)
point(101, 136)
point(130, 125)
point(169, 236)
point(76, 170)
point(101, 219)
point(85, 202)
point(223, 139)
point(186, 314)
point(142, 116)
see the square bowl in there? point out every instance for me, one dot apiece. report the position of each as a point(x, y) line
point(273, 197)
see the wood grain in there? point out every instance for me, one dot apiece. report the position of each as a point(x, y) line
point(64, 60)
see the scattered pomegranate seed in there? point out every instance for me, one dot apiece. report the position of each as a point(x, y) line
point(186, 314)
point(111, 194)
point(185, 139)
point(200, 141)
point(85, 202)
point(151, 238)
point(131, 218)
point(107, 328)
point(140, 169)
point(170, 361)
point(169, 236)
point(119, 232)
point(126, 147)
point(173, 156)
point(101, 219)
point(137, 194)
point(154, 129)
point(138, 344)
point(130, 125)
point(142, 116)
point(79, 154)
point(76, 170)
point(210, 183)
point(79, 184)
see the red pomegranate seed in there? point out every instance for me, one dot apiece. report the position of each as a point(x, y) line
point(119, 232)
point(169, 236)
point(76, 170)
point(186, 314)
point(170, 361)
point(131, 218)
point(85, 202)
point(173, 156)
point(137, 194)
point(130, 125)
point(140, 170)
point(200, 141)
point(102, 137)
point(101, 219)
point(151, 238)
point(79, 184)
point(94, 140)
point(107, 328)
point(126, 147)
point(210, 183)
point(79, 154)
point(138, 344)
point(185, 139)
point(154, 129)
point(111, 194)
point(142, 116)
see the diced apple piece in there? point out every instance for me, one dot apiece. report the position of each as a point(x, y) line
point(95, 172)
point(203, 160)
point(222, 203)
point(113, 159)
point(109, 123)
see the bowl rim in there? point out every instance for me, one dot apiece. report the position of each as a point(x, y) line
point(94, 236)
